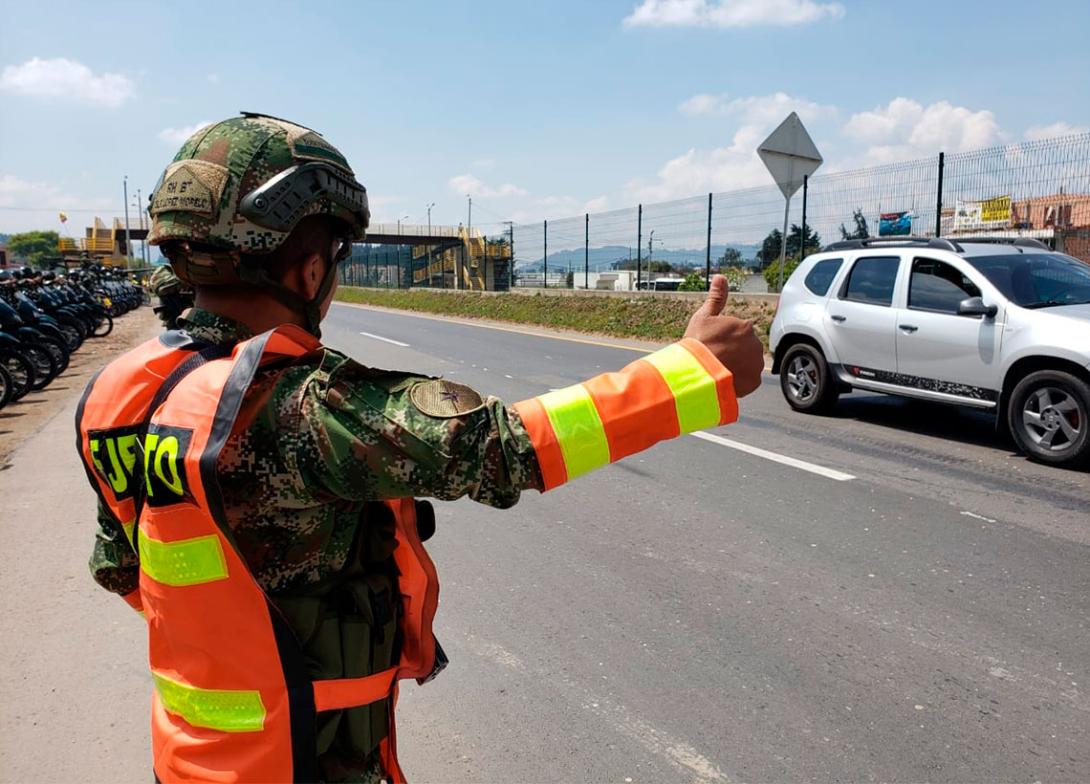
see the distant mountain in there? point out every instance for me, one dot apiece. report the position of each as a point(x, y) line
point(603, 258)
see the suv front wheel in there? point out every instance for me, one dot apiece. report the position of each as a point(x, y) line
point(1049, 417)
point(806, 381)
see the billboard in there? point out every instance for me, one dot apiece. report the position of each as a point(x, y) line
point(894, 224)
point(988, 214)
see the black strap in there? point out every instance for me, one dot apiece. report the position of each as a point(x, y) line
point(201, 357)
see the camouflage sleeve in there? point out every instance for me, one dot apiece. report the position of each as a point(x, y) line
point(113, 563)
point(381, 435)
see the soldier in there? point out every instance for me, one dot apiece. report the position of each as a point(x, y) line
point(256, 488)
point(175, 297)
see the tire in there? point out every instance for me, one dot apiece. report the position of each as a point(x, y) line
point(21, 371)
point(59, 351)
point(806, 381)
point(45, 367)
point(104, 328)
point(6, 386)
point(1049, 418)
point(73, 336)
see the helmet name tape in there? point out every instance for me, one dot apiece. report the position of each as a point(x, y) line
point(190, 186)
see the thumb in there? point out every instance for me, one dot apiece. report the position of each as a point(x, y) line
point(717, 297)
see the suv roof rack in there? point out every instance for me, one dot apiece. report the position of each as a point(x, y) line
point(1018, 242)
point(940, 243)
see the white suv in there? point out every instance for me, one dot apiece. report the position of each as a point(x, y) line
point(996, 324)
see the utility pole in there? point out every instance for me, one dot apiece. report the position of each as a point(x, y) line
point(639, 242)
point(511, 251)
point(650, 255)
point(128, 242)
point(429, 249)
point(708, 259)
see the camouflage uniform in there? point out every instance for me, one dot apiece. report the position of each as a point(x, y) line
point(174, 295)
point(314, 447)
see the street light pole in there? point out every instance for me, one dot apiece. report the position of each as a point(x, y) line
point(128, 242)
point(429, 246)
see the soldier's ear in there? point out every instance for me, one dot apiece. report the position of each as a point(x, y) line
point(313, 271)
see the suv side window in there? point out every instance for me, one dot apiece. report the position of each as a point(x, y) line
point(872, 280)
point(938, 287)
point(821, 276)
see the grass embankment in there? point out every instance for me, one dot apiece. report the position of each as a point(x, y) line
point(659, 318)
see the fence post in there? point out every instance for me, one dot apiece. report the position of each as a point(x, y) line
point(639, 242)
point(708, 260)
point(545, 258)
point(586, 253)
point(511, 241)
point(938, 206)
point(802, 236)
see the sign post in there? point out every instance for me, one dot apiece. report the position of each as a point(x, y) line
point(791, 157)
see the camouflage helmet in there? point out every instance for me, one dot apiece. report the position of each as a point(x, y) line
point(240, 186)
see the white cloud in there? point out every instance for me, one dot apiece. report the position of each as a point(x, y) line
point(730, 13)
point(474, 186)
point(177, 136)
point(1038, 132)
point(61, 78)
point(756, 109)
point(904, 129)
point(39, 203)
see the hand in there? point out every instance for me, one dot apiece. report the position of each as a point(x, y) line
point(731, 339)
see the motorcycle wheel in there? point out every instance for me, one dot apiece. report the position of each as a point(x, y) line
point(21, 371)
point(6, 386)
point(45, 367)
point(104, 328)
point(59, 351)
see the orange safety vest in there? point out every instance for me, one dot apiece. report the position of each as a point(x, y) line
point(233, 701)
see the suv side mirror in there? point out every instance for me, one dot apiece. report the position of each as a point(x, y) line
point(974, 306)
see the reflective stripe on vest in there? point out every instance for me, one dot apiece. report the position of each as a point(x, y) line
point(679, 389)
point(216, 709)
point(188, 562)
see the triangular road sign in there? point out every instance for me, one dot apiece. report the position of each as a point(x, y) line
point(789, 154)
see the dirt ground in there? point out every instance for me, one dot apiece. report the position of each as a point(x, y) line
point(27, 416)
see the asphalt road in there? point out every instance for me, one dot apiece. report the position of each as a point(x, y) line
point(695, 613)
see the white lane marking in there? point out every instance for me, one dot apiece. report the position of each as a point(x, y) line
point(975, 516)
point(802, 465)
point(385, 340)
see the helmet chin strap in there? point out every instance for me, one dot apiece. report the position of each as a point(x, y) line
point(310, 310)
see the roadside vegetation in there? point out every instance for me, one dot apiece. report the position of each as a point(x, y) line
point(652, 317)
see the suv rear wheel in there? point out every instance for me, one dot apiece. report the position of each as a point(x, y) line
point(1049, 417)
point(806, 381)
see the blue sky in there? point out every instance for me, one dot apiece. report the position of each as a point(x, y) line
point(539, 109)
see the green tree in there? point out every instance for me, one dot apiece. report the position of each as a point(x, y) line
point(861, 230)
point(33, 246)
point(660, 267)
point(770, 248)
point(794, 242)
point(772, 271)
point(732, 257)
point(692, 282)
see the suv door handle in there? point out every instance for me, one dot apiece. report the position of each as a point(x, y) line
point(839, 319)
point(908, 328)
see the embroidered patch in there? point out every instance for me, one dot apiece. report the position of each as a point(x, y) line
point(190, 186)
point(307, 145)
point(444, 399)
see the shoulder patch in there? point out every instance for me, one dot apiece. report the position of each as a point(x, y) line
point(309, 145)
point(444, 399)
point(190, 186)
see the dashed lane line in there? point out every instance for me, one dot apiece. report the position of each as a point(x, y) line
point(802, 465)
point(385, 340)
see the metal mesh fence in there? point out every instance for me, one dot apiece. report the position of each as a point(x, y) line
point(1037, 189)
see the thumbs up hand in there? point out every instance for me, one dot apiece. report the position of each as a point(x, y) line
point(732, 340)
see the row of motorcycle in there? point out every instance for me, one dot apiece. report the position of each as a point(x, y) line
point(45, 317)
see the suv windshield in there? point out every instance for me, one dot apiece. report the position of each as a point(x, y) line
point(1037, 280)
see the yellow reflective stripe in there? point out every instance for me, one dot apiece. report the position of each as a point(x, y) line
point(578, 429)
point(128, 529)
point(216, 709)
point(188, 562)
point(693, 387)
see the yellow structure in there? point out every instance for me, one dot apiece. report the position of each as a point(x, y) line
point(105, 244)
point(474, 264)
